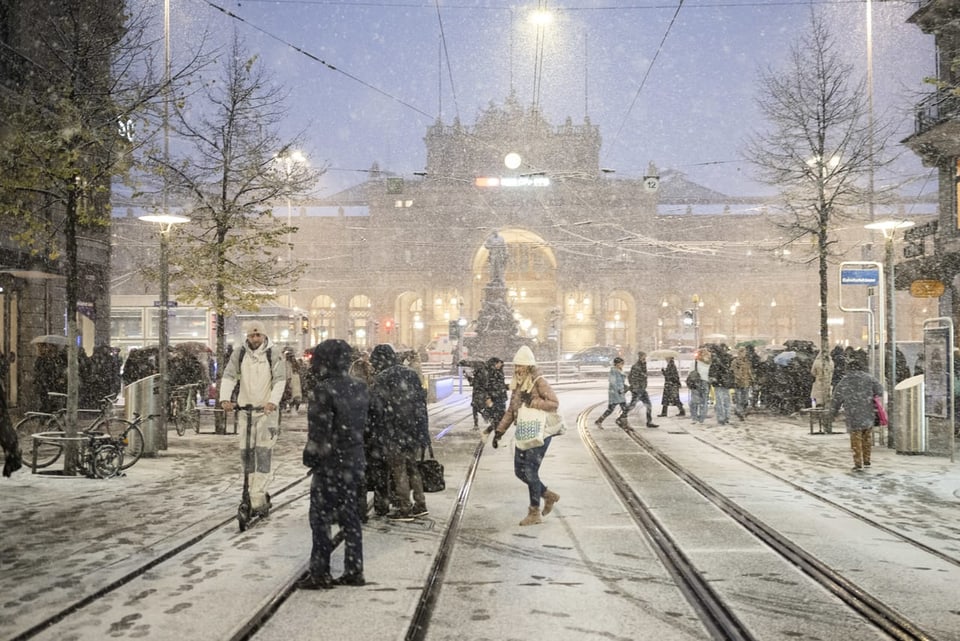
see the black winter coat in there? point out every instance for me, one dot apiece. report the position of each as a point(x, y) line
point(337, 414)
point(398, 410)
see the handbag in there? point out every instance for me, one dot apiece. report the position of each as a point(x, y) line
point(531, 428)
point(881, 412)
point(555, 424)
point(431, 471)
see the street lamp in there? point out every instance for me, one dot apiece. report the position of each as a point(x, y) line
point(166, 222)
point(290, 158)
point(889, 229)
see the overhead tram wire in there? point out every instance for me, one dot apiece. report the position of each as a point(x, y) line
point(646, 74)
point(316, 59)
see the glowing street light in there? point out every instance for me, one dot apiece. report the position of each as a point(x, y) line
point(166, 222)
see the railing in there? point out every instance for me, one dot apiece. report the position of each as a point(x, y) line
point(940, 106)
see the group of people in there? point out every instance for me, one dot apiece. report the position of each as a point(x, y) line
point(635, 383)
point(364, 433)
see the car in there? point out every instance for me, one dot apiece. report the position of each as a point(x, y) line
point(597, 355)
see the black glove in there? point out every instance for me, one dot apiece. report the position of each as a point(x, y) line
point(526, 398)
point(496, 439)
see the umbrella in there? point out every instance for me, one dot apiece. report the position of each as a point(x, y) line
point(755, 342)
point(784, 358)
point(663, 354)
point(50, 339)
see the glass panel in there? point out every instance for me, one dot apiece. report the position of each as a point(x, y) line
point(126, 323)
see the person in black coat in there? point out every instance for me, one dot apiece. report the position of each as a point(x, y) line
point(12, 460)
point(398, 413)
point(495, 405)
point(334, 454)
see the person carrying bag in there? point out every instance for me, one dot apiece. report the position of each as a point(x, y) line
point(530, 391)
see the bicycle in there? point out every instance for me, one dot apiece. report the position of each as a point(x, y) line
point(127, 434)
point(183, 409)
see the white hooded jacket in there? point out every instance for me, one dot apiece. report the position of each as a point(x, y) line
point(259, 382)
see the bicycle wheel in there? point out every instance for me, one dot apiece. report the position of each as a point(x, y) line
point(132, 438)
point(129, 436)
point(47, 452)
point(179, 421)
point(106, 460)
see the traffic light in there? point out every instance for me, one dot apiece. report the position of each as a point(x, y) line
point(388, 325)
point(688, 317)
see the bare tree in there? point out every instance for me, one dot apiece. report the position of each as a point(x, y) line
point(819, 147)
point(232, 256)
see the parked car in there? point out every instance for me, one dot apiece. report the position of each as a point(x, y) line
point(597, 355)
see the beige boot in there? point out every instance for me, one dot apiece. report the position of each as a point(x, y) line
point(533, 516)
point(549, 498)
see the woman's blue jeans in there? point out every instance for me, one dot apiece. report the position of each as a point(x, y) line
point(526, 465)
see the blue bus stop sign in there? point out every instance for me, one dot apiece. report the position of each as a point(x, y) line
point(859, 276)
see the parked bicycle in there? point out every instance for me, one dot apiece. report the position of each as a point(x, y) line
point(184, 413)
point(126, 435)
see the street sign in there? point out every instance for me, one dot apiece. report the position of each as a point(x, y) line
point(159, 303)
point(927, 288)
point(859, 276)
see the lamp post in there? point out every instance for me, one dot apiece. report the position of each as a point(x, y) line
point(290, 158)
point(166, 222)
point(889, 229)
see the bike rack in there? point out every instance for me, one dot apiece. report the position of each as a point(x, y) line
point(57, 438)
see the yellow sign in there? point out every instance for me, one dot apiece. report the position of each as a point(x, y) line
point(926, 289)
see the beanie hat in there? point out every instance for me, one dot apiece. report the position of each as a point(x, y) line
point(253, 327)
point(524, 356)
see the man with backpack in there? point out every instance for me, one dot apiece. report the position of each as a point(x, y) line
point(260, 376)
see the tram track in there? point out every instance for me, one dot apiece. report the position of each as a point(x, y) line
point(871, 608)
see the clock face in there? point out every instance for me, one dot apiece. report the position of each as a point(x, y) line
point(512, 160)
point(651, 183)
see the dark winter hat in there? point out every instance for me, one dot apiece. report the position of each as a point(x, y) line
point(617, 360)
point(332, 355)
point(383, 357)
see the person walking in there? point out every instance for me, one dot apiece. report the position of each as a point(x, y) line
point(637, 379)
point(742, 381)
point(721, 378)
point(671, 387)
point(855, 393)
point(495, 404)
point(398, 409)
point(293, 395)
point(531, 389)
point(9, 442)
point(616, 394)
point(260, 376)
point(477, 378)
point(698, 382)
point(334, 454)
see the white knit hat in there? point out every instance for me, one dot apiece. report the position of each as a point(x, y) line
point(524, 356)
point(253, 327)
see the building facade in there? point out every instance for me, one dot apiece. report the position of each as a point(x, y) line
point(933, 249)
point(593, 258)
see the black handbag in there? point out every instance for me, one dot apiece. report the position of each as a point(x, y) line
point(431, 471)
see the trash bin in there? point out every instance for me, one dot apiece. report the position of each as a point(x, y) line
point(910, 436)
point(143, 397)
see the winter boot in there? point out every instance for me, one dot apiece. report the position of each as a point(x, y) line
point(663, 412)
point(599, 423)
point(682, 413)
point(622, 421)
point(549, 498)
point(650, 422)
point(533, 516)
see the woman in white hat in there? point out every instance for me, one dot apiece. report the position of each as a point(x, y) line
point(531, 389)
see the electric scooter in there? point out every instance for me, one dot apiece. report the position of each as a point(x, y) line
point(245, 513)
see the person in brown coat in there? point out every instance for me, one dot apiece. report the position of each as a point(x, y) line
point(531, 389)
